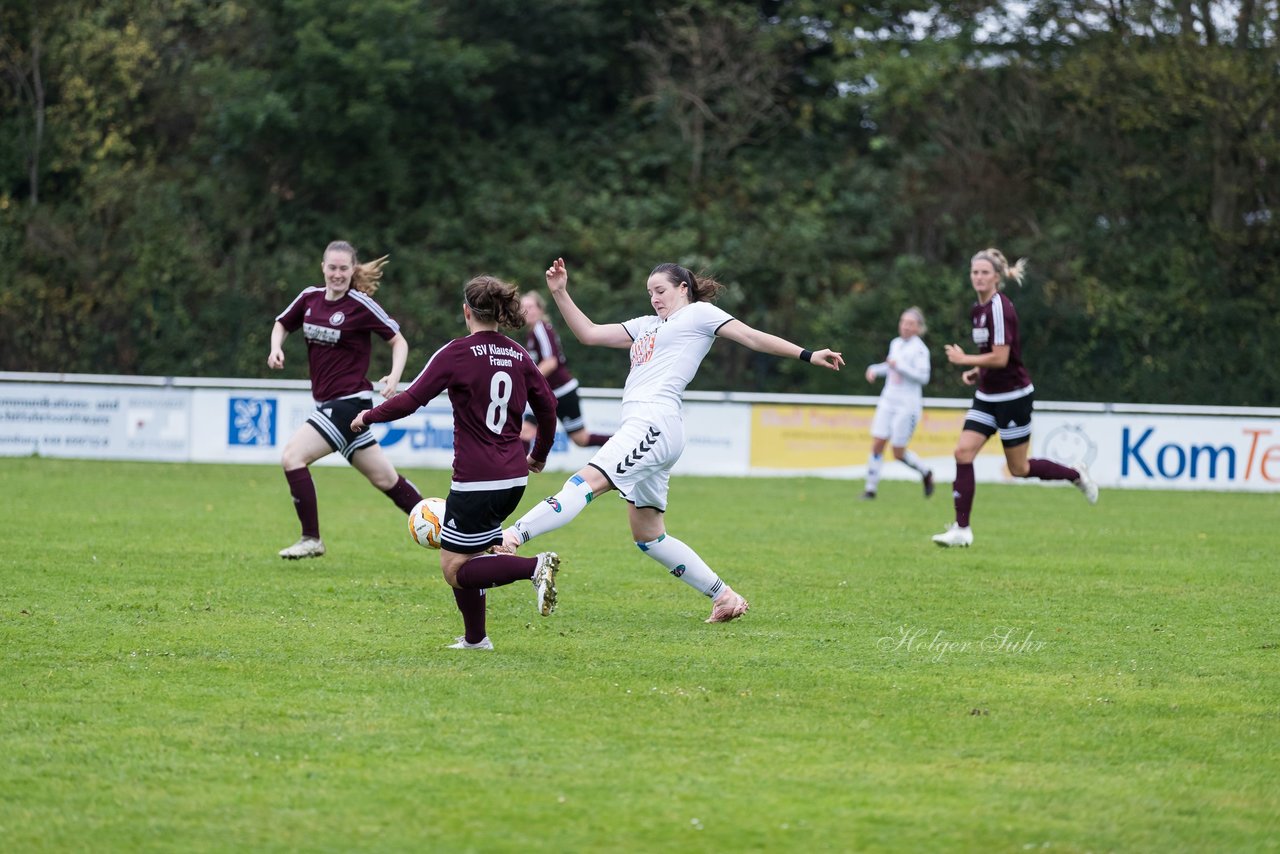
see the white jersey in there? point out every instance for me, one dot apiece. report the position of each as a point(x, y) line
point(665, 354)
point(905, 382)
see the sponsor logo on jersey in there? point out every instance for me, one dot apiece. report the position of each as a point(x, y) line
point(642, 348)
point(316, 334)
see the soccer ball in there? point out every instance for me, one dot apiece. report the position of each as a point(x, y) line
point(425, 522)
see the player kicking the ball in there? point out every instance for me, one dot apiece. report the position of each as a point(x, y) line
point(666, 349)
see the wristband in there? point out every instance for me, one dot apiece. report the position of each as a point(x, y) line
point(806, 356)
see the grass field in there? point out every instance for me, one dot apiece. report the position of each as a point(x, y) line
point(1084, 679)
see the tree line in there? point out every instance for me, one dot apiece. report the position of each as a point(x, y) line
point(171, 171)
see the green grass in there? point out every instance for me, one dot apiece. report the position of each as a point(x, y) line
point(170, 684)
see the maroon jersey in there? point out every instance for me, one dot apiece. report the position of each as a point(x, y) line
point(543, 343)
point(489, 378)
point(338, 343)
point(995, 324)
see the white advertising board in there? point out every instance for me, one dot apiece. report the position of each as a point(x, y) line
point(252, 427)
point(1165, 451)
point(249, 421)
point(95, 422)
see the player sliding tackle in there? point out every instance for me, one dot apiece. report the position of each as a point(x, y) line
point(666, 349)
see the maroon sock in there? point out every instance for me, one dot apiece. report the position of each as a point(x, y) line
point(495, 570)
point(1046, 470)
point(404, 494)
point(471, 606)
point(303, 490)
point(963, 493)
point(595, 440)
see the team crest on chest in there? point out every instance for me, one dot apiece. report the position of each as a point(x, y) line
point(336, 318)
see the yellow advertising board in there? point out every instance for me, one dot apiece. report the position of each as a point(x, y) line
point(822, 437)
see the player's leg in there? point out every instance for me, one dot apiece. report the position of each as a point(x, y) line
point(648, 529)
point(304, 447)
point(904, 426)
point(641, 446)
point(1017, 452)
point(972, 438)
point(372, 462)
point(875, 464)
point(880, 430)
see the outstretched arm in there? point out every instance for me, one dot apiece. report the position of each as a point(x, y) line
point(586, 331)
point(763, 342)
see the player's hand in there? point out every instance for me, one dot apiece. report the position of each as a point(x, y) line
point(969, 377)
point(536, 466)
point(955, 355)
point(557, 276)
point(871, 375)
point(357, 423)
point(387, 387)
point(275, 360)
point(827, 359)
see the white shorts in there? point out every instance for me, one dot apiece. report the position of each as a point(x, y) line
point(894, 422)
point(639, 457)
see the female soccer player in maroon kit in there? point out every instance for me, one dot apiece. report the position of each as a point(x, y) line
point(1003, 400)
point(489, 379)
point(337, 320)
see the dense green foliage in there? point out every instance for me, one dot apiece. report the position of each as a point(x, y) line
point(170, 171)
point(171, 685)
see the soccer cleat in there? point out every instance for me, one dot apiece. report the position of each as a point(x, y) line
point(928, 484)
point(544, 582)
point(1086, 484)
point(461, 643)
point(954, 536)
point(305, 547)
point(869, 495)
point(728, 606)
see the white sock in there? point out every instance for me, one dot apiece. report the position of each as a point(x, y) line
point(556, 511)
point(909, 457)
point(873, 472)
point(684, 563)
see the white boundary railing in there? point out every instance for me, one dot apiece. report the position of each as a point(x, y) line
point(247, 420)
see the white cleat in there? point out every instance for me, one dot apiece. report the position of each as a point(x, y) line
point(955, 536)
point(544, 582)
point(1087, 485)
point(461, 643)
point(305, 547)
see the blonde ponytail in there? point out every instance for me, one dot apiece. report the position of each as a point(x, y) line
point(1001, 265)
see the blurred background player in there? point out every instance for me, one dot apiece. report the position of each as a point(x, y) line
point(544, 345)
point(489, 379)
point(1003, 400)
point(337, 320)
point(666, 349)
point(906, 373)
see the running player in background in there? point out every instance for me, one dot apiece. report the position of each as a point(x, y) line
point(489, 379)
point(544, 345)
point(1003, 400)
point(906, 373)
point(666, 349)
point(337, 320)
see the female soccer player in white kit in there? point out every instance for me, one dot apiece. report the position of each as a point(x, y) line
point(906, 373)
point(666, 350)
